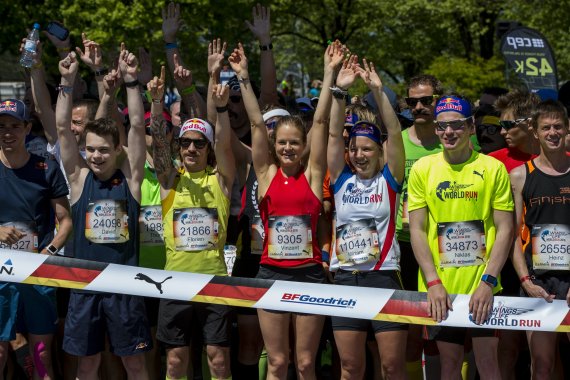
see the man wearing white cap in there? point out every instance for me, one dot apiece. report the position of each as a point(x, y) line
point(195, 204)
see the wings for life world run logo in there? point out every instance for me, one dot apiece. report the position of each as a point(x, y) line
point(152, 214)
point(102, 211)
point(554, 235)
point(502, 315)
point(356, 195)
point(453, 190)
point(288, 226)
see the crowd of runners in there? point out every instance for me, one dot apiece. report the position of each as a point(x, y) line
point(428, 192)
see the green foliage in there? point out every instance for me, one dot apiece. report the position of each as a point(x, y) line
point(466, 77)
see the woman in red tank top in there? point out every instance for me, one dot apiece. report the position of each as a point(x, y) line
point(290, 196)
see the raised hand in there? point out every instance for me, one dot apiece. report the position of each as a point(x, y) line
point(220, 95)
point(261, 24)
point(156, 86)
point(238, 60)
point(68, 68)
point(216, 51)
point(348, 73)
point(128, 64)
point(59, 44)
point(91, 55)
point(334, 55)
point(182, 76)
point(170, 22)
point(37, 56)
point(369, 75)
point(111, 81)
point(145, 74)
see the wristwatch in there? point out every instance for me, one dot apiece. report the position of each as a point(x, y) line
point(491, 280)
point(52, 249)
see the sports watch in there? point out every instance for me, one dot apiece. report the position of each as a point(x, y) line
point(491, 280)
point(52, 249)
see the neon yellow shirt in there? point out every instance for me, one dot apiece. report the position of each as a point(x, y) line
point(195, 218)
point(152, 250)
point(459, 197)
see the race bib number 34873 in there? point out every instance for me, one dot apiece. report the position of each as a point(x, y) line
point(461, 243)
point(290, 237)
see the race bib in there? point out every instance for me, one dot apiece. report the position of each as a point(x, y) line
point(107, 221)
point(357, 242)
point(195, 229)
point(551, 246)
point(230, 254)
point(257, 235)
point(461, 243)
point(29, 242)
point(290, 237)
point(151, 226)
point(405, 217)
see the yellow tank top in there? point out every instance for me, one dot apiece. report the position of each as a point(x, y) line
point(195, 218)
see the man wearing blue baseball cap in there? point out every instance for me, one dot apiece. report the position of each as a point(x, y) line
point(461, 227)
point(30, 185)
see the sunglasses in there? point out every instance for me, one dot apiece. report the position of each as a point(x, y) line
point(489, 128)
point(425, 100)
point(509, 124)
point(271, 126)
point(455, 125)
point(198, 143)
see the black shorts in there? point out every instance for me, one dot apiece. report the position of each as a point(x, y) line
point(151, 305)
point(246, 266)
point(177, 318)
point(375, 279)
point(457, 335)
point(556, 283)
point(121, 317)
point(509, 280)
point(313, 274)
point(409, 267)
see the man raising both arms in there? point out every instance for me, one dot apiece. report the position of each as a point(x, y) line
point(105, 199)
point(460, 190)
point(541, 190)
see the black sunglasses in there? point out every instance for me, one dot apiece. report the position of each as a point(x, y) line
point(425, 100)
point(509, 124)
point(455, 125)
point(490, 128)
point(198, 143)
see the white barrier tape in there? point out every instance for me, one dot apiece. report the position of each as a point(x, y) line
point(511, 313)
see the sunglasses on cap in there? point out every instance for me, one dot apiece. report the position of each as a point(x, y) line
point(509, 124)
point(425, 100)
point(455, 125)
point(185, 142)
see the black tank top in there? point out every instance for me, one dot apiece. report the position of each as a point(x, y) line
point(547, 203)
point(102, 216)
point(249, 210)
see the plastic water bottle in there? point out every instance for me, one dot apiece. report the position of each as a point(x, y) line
point(30, 47)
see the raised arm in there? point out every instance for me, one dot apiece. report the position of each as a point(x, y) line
point(395, 144)
point(335, 152)
point(216, 51)
point(259, 140)
point(317, 158)
point(42, 99)
point(134, 163)
point(222, 146)
point(170, 24)
point(107, 103)
point(92, 57)
point(261, 30)
point(193, 103)
point(72, 160)
point(161, 152)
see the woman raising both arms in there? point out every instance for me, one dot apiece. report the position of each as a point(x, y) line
point(290, 196)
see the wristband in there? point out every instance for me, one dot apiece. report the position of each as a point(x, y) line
point(325, 256)
point(157, 101)
point(266, 47)
point(525, 279)
point(132, 84)
point(64, 89)
point(433, 283)
point(338, 92)
point(171, 45)
point(243, 80)
point(188, 90)
point(37, 65)
point(101, 72)
point(222, 109)
point(490, 280)
point(63, 50)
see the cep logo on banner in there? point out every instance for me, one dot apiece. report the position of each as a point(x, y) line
point(529, 55)
point(307, 299)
